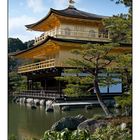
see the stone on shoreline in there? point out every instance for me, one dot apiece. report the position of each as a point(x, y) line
point(36, 101)
point(91, 125)
point(68, 122)
point(30, 100)
point(49, 107)
point(42, 102)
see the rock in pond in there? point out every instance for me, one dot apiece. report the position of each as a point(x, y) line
point(42, 102)
point(17, 100)
point(49, 109)
point(91, 124)
point(33, 107)
point(14, 99)
point(30, 100)
point(37, 101)
point(88, 107)
point(65, 108)
point(49, 102)
point(68, 122)
point(22, 100)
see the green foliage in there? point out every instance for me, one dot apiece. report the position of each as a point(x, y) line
point(112, 133)
point(127, 3)
point(106, 133)
point(72, 91)
point(67, 135)
point(92, 56)
point(12, 64)
point(16, 82)
point(75, 90)
point(124, 101)
point(15, 44)
point(29, 43)
point(12, 137)
point(124, 63)
point(76, 85)
point(120, 28)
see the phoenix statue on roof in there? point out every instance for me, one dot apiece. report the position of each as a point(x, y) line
point(71, 1)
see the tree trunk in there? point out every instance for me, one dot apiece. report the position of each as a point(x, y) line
point(98, 94)
point(128, 80)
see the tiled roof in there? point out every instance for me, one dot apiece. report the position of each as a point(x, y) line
point(69, 12)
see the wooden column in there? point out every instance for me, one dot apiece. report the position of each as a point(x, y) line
point(108, 84)
point(59, 88)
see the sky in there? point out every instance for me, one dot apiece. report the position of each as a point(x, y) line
point(24, 12)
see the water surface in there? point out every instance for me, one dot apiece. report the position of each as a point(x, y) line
point(27, 123)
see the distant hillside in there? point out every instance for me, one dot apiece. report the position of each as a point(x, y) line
point(15, 44)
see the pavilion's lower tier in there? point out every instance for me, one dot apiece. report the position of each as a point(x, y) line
point(43, 82)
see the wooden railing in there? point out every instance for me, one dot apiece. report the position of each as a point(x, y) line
point(74, 34)
point(37, 66)
point(39, 94)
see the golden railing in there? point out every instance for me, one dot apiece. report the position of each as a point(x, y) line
point(74, 34)
point(37, 66)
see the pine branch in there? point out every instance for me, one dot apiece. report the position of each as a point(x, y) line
point(106, 64)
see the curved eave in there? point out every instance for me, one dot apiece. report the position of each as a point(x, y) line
point(30, 26)
point(82, 15)
point(34, 46)
point(66, 41)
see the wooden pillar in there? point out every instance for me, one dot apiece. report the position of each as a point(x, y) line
point(59, 87)
point(108, 84)
point(45, 84)
point(28, 84)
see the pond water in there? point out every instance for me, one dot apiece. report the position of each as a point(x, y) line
point(26, 123)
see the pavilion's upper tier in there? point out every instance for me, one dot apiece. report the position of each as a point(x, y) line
point(70, 14)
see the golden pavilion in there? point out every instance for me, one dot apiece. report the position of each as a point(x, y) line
point(62, 31)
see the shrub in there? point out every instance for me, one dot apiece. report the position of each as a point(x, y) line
point(12, 137)
point(106, 133)
point(112, 133)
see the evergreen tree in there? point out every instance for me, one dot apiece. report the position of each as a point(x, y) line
point(16, 82)
point(15, 44)
point(94, 59)
point(120, 28)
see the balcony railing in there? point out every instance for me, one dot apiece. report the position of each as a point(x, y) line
point(74, 34)
point(39, 94)
point(37, 66)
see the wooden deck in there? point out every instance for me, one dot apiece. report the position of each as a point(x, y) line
point(40, 94)
point(73, 104)
point(54, 94)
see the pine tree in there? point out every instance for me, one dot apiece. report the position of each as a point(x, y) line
point(94, 59)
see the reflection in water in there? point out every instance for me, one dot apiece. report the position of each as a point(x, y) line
point(26, 123)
